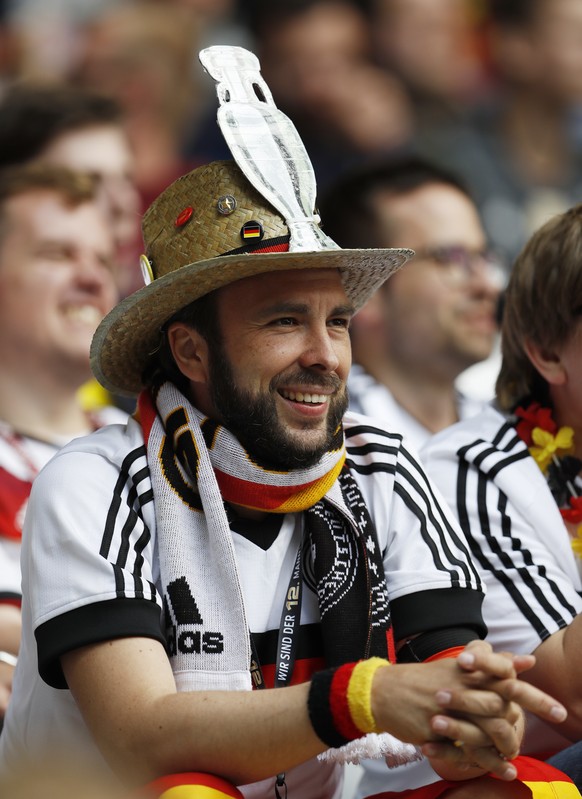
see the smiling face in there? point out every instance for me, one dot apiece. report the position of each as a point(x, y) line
point(278, 378)
point(56, 283)
point(103, 151)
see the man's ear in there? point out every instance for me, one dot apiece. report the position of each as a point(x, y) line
point(548, 363)
point(190, 351)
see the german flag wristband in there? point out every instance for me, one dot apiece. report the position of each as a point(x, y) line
point(340, 702)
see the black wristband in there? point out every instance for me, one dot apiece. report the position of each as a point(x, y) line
point(319, 710)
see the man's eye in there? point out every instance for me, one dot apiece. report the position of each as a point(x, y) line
point(107, 263)
point(285, 321)
point(340, 322)
point(53, 253)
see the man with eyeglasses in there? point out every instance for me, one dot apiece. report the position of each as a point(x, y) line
point(434, 320)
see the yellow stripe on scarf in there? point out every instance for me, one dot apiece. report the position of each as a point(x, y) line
point(309, 496)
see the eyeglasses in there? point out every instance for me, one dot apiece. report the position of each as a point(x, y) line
point(459, 263)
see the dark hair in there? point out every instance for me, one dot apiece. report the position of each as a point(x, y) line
point(263, 15)
point(512, 13)
point(348, 211)
point(201, 315)
point(542, 303)
point(74, 188)
point(32, 116)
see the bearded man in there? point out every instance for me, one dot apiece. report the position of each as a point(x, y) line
point(245, 532)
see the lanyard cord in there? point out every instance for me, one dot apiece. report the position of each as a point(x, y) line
point(286, 645)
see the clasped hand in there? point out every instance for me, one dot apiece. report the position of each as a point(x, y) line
point(465, 713)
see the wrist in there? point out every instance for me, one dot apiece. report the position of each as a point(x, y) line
point(340, 702)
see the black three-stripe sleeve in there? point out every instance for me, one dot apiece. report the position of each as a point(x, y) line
point(439, 530)
point(434, 559)
point(495, 532)
point(126, 534)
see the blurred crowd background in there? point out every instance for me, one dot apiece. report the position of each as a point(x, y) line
point(491, 89)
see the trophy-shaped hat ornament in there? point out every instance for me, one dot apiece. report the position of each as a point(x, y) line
point(265, 144)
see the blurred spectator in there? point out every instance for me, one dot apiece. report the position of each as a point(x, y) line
point(48, 34)
point(316, 57)
point(434, 48)
point(144, 55)
point(9, 49)
point(522, 155)
point(433, 319)
point(511, 475)
point(55, 286)
point(81, 130)
point(220, 21)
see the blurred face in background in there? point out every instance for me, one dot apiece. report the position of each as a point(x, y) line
point(303, 55)
point(431, 45)
point(438, 314)
point(556, 49)
point(319, 68)
point(56, 283)
point(103, 151)
point(543, 53)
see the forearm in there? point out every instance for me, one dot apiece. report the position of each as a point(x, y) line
point(557, 671)
point(243, 736)
point(126, 692)
point(145, 729)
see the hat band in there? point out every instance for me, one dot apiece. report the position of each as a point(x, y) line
point(278, 244)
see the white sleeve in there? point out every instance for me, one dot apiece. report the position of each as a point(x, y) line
point(521, 548)
point(431, 580)
point(87, 554)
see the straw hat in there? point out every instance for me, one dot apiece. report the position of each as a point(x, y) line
point(207, 229)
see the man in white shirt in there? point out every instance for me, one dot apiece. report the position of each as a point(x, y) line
point(243, 531)
point(512, 476)
point(437, 318)
point(56, 284)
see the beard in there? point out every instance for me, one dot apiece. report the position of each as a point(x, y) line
point(253, 419)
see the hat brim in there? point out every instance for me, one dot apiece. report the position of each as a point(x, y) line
point(128, 335)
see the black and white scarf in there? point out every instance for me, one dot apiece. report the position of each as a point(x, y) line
point(196, 465)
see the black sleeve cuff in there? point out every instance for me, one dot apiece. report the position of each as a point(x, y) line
point(426, 645)
point(438, 609)
point(91, 624)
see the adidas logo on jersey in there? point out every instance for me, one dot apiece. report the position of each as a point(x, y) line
point(182, 619)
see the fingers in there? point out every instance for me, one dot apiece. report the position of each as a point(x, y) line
point(494, 700)
point(479, 657)
point(497, 733)
point(458, 730)
point(468, 757)
point(502, 665)
point(476, 702)
point(523, 663)
point(533, 699)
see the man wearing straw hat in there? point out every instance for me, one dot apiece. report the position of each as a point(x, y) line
point(243, 531)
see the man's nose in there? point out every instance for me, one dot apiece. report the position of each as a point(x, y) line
point(320, 352)
point(92, 272)
point(488, 273)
